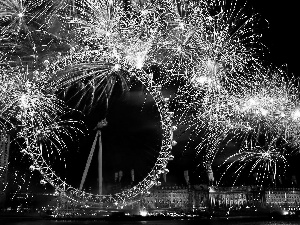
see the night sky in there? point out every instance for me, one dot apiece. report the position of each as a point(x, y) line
point(132, 138)
point(282, 37)
point(133, 132)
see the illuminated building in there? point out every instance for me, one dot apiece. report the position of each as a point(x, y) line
point(225, 197)
point(4, 154)
point(194, 197)
point(181, 198)
point(283, 197)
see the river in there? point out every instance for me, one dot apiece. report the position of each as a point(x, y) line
point(156, 222)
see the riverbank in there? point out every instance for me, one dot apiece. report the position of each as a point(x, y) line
point(147, 218)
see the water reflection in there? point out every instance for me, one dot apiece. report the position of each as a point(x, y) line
point(169, 222)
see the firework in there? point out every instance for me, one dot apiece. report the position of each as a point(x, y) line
point(264, 162)
point(30, 106)
point(211, 43)
point(212, 47)
point(269, 107)
point(19, 19)
point(109, 45)
point(26, 95)
point(201, 47)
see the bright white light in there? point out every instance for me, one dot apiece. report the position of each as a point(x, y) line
point(117, 67)
point(181, 25)
point(139, 59)
point(143, 213)
point(46, 63)
point(211, 65)
point(20, 15)
point(32, 168)
point(151, 76)
point(296, 114)
point(285, 212)
point(264, 112)
point(144, 12)
point(139, 63)
point(252, 102)
point(201, 80)
point(24, 101)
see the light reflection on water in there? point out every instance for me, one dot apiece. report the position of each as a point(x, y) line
point(156, 222)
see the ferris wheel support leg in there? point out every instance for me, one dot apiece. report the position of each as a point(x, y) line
point(88, 163)
point(100, 164)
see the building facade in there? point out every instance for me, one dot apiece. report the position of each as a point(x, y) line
point(196, 197)
point(240, 196)
point(285, 198)
point(167, 197)
point(4, 154)
point(180, 198)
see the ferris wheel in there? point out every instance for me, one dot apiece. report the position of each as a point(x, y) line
point(107, 44)
point(77, 194)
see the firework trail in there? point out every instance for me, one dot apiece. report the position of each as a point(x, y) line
point(211, 50)
point(30, 108)
point(266, 162)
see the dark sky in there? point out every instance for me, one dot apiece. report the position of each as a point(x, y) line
point(131, 139)
point(282, 37)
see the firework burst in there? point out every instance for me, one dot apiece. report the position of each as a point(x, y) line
point(110, 47)
point(27, 97)
point(210, 41)
point(30, 107)
point(269, 107)
point(212, 47)
point(20, 18)
point(266, 162)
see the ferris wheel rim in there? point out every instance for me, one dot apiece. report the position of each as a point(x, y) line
point(152, 177)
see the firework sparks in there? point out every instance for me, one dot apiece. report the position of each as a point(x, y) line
point(110, 47)
point(267, 107)
point(20, 17)
point(266, 162)
point(214, 47)
point(211, 46)
point(29, 106)
point(210, 42)
point(27, 96)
